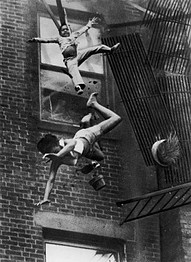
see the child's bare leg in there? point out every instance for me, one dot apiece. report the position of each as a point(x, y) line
point(111, 118)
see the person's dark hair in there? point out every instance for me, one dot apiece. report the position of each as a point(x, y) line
point(59, 30)
point(47, 144)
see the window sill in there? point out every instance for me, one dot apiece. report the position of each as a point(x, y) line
point(69, 129)
point(58, 127)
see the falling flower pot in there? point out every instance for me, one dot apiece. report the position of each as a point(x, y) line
point(97, 182)
point(154, 151)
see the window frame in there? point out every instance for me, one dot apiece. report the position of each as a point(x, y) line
point(77, 17)
point(83, 240)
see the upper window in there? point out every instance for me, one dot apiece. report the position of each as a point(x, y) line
point(51, 54)
point(59, 101)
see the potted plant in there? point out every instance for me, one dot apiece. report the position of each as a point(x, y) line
point(166, 151)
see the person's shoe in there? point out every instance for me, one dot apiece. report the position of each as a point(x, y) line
point(88, 168)
point(79, 90)
point(95, 164)
point(115, 47)
point(92, 99)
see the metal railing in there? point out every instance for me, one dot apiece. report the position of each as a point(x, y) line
point(156, 202)
point(140, 93)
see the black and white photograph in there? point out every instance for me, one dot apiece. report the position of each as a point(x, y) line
point(95, 130)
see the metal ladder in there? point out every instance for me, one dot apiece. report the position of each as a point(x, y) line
point(156, 202)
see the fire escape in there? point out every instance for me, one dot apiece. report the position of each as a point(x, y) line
point(155, 88)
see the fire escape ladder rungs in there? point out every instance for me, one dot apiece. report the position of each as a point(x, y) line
point(136, 204)
point(181, 196)
point(139, 90)
point(159, 200)
point(144, 206)
point(156, 202)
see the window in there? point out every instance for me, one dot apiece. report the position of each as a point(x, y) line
point(71, 246)
point(50, 53)
point(59, 102)
point(66, 253)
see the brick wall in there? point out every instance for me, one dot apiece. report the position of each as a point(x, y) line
point(171, 236)
point(24, 174)
point(19, 236)
point(185, 218)
point(147, 242)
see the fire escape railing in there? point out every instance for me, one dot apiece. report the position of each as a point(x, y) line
point(139, 91)
point(146, 82)
point(156, 202)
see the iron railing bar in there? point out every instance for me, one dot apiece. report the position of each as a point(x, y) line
point(159, 94)
point(157, 20)
point(132, 210)
point(124, 94)
point(142, 59)
point(174, 204)
point(183, 29)
point(181, 123)
point(169, 28)
point(131, 72)
point(173, 32)
point(144, 206)
point(184, 108)
point(173, 194)
point(159, 200)
point(155, 193)
point(179, 43)
point(185, 201)
point(145, 105)
point(162, 28)
point(151, 8)
point(176, 14)
point(147, 15)
point(187, 85)
point(154, 213)
point(162, 103)
point(185, 168)
point(163, 82)
point(174, 47)
point(172, 104)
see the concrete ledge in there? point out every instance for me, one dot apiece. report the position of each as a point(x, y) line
point(86, 225)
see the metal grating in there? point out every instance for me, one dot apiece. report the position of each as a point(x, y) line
point(170, 23)
point(169, 53)
point(176, 90)
point(156, 202)
point(140, 93)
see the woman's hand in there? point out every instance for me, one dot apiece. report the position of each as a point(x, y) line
point(93, 21)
